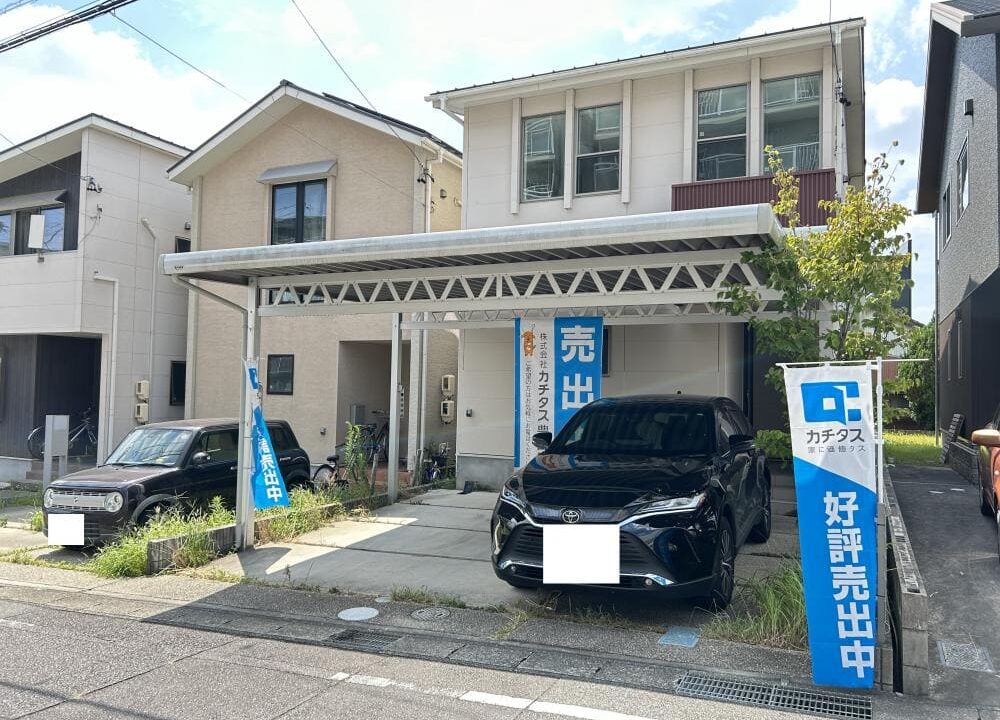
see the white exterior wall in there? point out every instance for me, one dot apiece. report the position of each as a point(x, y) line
point(117, 245)
point(662, 125)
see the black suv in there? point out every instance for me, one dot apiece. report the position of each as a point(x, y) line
point(678, 474)
point(162, 464)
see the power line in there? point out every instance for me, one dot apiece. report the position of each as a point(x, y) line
point(361, 92)
point(88, 11)
point(276, 118)
point(14, 5)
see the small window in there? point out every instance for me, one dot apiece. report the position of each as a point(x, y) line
point(606, 352)
point(598, 149)
point(280, 374)
point(947, 353)
point(963, 179)
point(178, 381)
point(298, 212)
point(722, 133)
point(959, 359)
point(542, 146)
point(791, 120)
point(182, 245)
point(946, 216)
point(6, 233)
point(53, 237)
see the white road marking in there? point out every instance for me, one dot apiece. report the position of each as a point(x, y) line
point(15, 624)
point(370, 680)
point(578, 711)
point(500, 700)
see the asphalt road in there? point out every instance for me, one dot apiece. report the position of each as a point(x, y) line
point(68, 664)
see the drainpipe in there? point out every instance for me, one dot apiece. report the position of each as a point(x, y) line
point(113, 370)
point(154, 275)
point(422, 415)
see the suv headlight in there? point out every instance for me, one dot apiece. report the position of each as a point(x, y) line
point(510, 494)
point(47, 498)
point(678, 504)
point(113, 502)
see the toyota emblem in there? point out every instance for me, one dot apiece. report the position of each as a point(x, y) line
point(571, 515)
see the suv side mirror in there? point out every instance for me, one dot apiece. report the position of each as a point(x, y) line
point(740, 441)
point(987, 436)
point(200, 458)
point(542, 440)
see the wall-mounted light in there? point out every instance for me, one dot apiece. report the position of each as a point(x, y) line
point(968, 107)
point(443, 193)
point(92, 185)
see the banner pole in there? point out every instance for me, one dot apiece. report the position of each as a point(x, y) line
point(880, 478)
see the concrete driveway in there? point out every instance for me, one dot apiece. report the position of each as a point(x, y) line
point(440, 541)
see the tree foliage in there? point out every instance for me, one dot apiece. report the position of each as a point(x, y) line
point(837, 284)
point(916, 380)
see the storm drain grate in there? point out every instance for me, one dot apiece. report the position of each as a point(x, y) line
point(364, 640)
point(965, 656)
point(717, 687)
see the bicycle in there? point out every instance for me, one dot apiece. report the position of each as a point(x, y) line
point(375, 437)
point(434, 468)
point(82, 438)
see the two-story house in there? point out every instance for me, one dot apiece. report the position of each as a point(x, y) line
point(299, 167)
point(86, 317)
point(958, 183)
point(671, 131)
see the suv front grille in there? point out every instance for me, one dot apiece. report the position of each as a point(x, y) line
point(526, 545)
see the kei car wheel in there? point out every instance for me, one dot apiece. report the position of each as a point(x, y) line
point(724, 575)
point(762, 530)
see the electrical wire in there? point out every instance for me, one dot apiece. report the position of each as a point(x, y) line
point(87, 11)
point(14, 6)
point(361, 92)
point(277, 119)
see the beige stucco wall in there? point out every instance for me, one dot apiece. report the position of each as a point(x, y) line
point(373, 192)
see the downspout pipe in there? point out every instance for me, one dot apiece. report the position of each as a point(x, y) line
point(422, 415)
point(105, 443)
point(155, 274)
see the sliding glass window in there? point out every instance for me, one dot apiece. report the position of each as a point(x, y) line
point(598, 149)
point(6, 233)
point(298, 212)
point(722, 133)
point(542, 143)
point(791, 120)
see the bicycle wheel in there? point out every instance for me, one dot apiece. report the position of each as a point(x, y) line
point(36, 443)
point(325, 477)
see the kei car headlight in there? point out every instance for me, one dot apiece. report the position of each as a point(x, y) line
point(678, 504)
point(48, 498)
point(113, 501)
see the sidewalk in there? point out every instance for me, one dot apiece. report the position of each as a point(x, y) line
point(457, 636)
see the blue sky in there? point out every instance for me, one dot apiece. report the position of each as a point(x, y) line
point(399, 51)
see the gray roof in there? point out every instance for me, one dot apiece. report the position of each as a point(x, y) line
point(976, 8)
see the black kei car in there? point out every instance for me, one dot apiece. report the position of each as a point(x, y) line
point(679, 475)
point(162, 464)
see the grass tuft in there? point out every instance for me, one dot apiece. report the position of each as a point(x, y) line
point(912, 448)
point(37, 521)
point(771, 611)
point(426, 596)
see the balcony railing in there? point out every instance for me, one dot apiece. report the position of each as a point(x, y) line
point(814, 185)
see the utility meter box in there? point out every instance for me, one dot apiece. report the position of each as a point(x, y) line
point(448, 386)
point(447, 411)
point(142, 390)
point(142, 413)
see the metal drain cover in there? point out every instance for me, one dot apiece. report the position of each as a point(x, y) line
point(772, 695)
point(355, 614)
point(366, 640)
point(430, 613)
point(965, 656)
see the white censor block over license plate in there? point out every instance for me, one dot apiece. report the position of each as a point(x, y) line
point(580, 554)
point(66, 529)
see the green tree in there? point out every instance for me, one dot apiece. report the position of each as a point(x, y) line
point(838, 284)
point(916, 380)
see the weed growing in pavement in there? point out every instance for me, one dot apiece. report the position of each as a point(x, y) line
point(26, 556)
point(37, 521)
point(220, 575)
point(307, 511)
point(426, 596)
point(771, 611)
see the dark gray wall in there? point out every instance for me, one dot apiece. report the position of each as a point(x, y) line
point(64, 176)
point(17, 392)
point(67, 376)
point(973, 251)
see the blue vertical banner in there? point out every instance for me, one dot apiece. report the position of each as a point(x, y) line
point(265, 473)
point(557, 370)
point(834, 457)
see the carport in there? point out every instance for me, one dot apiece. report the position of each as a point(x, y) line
point(658, 268)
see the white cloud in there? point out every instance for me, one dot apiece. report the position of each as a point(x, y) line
point(78, 70)
point(335, 23)
point(893, 101)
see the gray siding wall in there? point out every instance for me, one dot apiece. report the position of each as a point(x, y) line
point(973, 251)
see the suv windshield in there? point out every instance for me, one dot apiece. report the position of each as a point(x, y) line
point(151, 446)
point(639, 429)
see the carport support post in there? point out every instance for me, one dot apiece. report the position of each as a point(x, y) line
point(244, 491)
point(395, 383)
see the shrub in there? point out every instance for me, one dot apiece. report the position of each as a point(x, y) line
point(776, 444)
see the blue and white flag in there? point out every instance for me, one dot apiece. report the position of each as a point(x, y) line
point(557, 370)
point(265, 474)
point(834, 452)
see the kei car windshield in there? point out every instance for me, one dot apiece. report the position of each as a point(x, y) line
point(151, 446)
point(639, 429)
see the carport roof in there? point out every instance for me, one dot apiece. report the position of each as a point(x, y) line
point(632, 236)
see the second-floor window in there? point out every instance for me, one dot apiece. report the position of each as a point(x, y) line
point(791, 120)
point(298, 212)
point(946, 216)
point(963, 179)
point(722, 133)
point(598, 149)
point(542, 144)
point(16, 224)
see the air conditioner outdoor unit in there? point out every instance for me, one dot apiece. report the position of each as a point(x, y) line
point(447, 411)
point(448, 386)
point(142, 413)
point(142, 390)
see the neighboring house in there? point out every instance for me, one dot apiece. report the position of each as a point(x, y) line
point(89, 316)
point(677, 130)
point(299, 167)
point(958, 183)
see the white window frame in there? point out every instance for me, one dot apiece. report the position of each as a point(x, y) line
point(945, 212)
point(819, 118)
point(579, 155)
point(745, 134)
point(964, 196)
point(555, 147)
